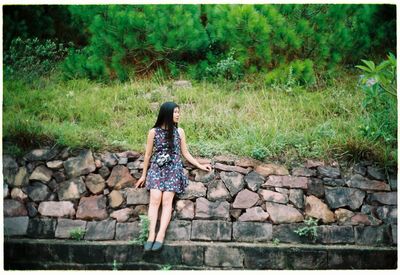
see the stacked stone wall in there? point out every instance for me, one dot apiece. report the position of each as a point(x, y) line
point(50, 192)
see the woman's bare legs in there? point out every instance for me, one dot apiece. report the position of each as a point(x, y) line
point(155, 200)
point(167, 198)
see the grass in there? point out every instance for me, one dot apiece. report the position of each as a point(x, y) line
point(219, 118)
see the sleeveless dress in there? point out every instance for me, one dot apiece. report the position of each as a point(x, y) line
point(169, 177)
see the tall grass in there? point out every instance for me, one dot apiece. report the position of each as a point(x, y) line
point(225, 117)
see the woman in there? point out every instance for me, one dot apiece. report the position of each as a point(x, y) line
point(165, 176)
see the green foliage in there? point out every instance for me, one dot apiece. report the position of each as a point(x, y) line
point(276, 241)
point(259, 153)
point(293, 74)
point(199, 40)
point(379, 121)
point(77, 233)
point(310, 230)
point(44, 22)
point(144, 230)
point(228, 68)
point(166, 267)
point(28, 59)
point(115, 265)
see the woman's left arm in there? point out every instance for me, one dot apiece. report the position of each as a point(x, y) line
point(187, 155)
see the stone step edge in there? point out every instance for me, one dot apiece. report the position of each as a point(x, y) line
point(200, 243)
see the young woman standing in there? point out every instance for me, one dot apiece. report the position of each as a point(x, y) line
point(165, 177)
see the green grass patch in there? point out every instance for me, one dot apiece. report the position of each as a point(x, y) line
point(245, 119)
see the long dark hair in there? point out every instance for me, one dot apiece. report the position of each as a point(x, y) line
point(166, 117)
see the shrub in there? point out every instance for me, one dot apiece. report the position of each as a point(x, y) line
point(144, 230)
point(77, 233)
point(299, 72)
point(380, 102)
point(310, 230)
point(27, 59)
point(228, 68)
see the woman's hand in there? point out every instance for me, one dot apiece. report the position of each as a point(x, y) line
point(140, 182)
point(206, 167)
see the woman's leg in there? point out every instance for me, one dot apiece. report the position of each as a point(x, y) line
point(155, 200)
point(167, 199)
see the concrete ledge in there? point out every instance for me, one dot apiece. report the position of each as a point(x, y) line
point(28, 254)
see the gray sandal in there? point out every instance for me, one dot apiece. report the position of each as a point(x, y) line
point(147, 246)
point(157, 246)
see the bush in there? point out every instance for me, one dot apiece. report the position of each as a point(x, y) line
point(27, 59)
point(77, 233)
point(298, 72)
point(380, 102)
point(228, 68)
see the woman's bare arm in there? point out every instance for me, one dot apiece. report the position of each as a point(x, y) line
point(187, 155)
point(147, 155)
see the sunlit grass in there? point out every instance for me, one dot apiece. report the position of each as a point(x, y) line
point(217, 117)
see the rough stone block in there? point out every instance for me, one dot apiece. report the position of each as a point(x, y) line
point(71, 189)
point(303, 172)
point(122, 215)
point(284, 258)
point(389, 198)
point(13, 208)
point(57, 209)
point(329, 172)
point(212, 210)
point(179, 230)
point(280, 213)
point(92, 208)
point(38, 191)
point(137, 196)
point(42, 228)
point(387, 213)
point(80, 165)
point(285, 233)
point(358, 181)
point(353, 258)
point(254, 214)
point(193, 255)
point(229, 168)
point(287, 181)
point(103, 230)
point(252, 231)
point(64, 226)
point(127, 231)
point(41, 173)
point(120, 178)
point(221, 256)
point(233, 181)
point(267, 169)
point(16, 226)
point(342, 196)
point(373, 235)
point(246, 199)
point(254, 180)
point(193, 190)
point(316, 188)
point(272, 196)
point(332, 234)
point(184, 209)
point(216, 190)
point(211, 230)
point(314, 207)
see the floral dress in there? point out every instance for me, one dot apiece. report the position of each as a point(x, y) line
point(169, 177)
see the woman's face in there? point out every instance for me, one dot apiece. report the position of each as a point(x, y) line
point(176, 115)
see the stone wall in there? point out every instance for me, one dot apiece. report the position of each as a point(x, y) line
point(49, 192)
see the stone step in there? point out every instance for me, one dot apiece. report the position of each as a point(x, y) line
point(30, 254)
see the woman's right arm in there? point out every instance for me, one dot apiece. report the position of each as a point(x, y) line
point(147, 156)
